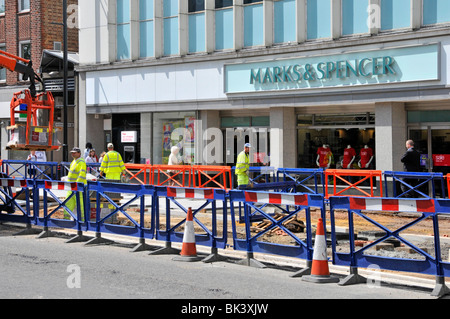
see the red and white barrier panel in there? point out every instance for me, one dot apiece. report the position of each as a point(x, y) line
point(276, 198)
point(13, 183)
point(190, 193)
point(63, 186)
point(396, 205)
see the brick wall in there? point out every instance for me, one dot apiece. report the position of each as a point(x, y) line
point(36, 26)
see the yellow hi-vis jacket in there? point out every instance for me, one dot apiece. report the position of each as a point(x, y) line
point(77, 171)
point(242, 166)
point(112, 165)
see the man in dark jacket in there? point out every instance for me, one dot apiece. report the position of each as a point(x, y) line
point(411, 163)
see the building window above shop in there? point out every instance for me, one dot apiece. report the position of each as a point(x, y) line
point(123, 30)
point(354, 17)
point(318, 19)
point(2, 7)
point(223, 4)
point(146, 28)
point(24, 5)
point(170, 27)
point(197, 32)
point(436, 11)
point(253, 24)
point(284, 20)
point(252, 1)
point(395, 14)
point(224, 25)
point(196, 5)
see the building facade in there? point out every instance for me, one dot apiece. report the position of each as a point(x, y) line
point(288, 75)
point(27, 28)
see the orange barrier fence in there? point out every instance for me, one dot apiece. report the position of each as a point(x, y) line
point(171, 175)
point(139, 171)
point(362, 175)
point(212, 176)
point(448, 184)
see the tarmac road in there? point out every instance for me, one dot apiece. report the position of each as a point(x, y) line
point(50, 268)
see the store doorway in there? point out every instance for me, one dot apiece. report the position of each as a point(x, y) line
point(434, 145)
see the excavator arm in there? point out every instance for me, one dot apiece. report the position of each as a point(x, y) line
point(20, 65)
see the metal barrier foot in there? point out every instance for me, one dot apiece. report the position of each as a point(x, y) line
point(168, 250)
point(353, 278)
point(440, 289)
point(98, 240)
point(250, 261)
point(28, 231)
point(303, 272)
point(78, 238)
point(214, 256)
point(142, 246)
point(46, 233)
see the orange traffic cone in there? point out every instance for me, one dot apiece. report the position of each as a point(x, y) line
point(188, 250)
point(319, 269)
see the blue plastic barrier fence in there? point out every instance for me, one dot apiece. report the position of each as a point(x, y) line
point(62, 206)
point(16, 210)
point(30, 169)
point(109, 201)
point(421, 209)
point(214, 236)
point(306, 180)
point(288, 206)
point(414, 184)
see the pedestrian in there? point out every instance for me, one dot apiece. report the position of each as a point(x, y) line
point(173, 160)
point(112, 165)
point(77, 174)
point(92, 158)
point(411, 163)
point(32, 168)
point(242, 167)
point(102, 154)
point(87, 150)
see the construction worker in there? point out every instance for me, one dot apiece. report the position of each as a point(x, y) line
point(77, 174)
point(112, 164)
point(242, 166)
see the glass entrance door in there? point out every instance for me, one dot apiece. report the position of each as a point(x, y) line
point(434, 145)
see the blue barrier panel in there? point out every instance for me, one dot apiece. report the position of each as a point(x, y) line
point(68, 196)
point(16, 210)
point(289, 204)
point(108, 206)
point(306, 180)
point(214, 236)
point(419, 210)
point(30, 169)
point(414, 185)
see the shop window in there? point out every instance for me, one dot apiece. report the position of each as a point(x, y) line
point(318, 19)
point(253, 24)
point(395, 14)
point(284, 20)
point(354, 17)
point(338, 131)
point(123, 30)
point(146, 28)
point(436, 11)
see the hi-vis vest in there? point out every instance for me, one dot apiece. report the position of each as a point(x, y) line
point(112, 164)
point(242, 166)
point(77, 171)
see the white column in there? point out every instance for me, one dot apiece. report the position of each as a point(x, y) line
point(183, 27)
point(390, 135)
point(209, 25)
point(283, 137)
point(301, 21)
point(268, 22)
point(238, 11)
point(336, 19)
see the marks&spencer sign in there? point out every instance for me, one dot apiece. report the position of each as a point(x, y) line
point(395, 65)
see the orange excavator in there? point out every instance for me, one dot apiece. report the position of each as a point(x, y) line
point(27, 103)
